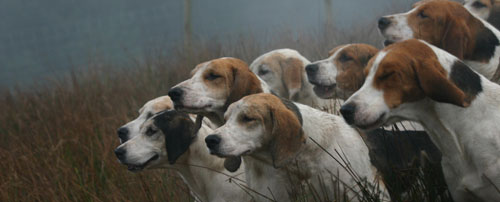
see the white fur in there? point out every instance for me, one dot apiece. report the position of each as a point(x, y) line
point(328, 130)
point(467, 137)
point(203, 173)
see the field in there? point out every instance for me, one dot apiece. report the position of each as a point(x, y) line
point(57, 137)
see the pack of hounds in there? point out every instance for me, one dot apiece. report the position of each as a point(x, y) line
point(235, 132)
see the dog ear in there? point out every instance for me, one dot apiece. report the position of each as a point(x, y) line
point(436, 85)
point(179, 131)
point(456, 37)
point(292, 75)
point(244, 83)
point(287, 135)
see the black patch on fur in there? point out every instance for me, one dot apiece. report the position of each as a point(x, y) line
point(486, 43)
point(291, 106)
point(467, 80)
point(179, 131)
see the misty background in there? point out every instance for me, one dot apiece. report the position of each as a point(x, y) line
point(43, 39)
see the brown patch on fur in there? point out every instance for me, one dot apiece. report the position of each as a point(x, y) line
point(496, 76)
point(293, 69)
point(334, 50)
point(286, 134)
point(411, 71)
point(447, 25)
point(350, 76)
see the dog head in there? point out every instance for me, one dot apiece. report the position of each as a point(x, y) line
point(403, 74)
point(152, 107)
point(259, 124)
point(445, 24)
point(214, 85)
point(161, 140)
point(341, 74)
point(282, 70)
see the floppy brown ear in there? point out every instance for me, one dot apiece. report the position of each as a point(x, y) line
point(287, 134)
point(244, 83)
point(292, 75)
point(434, 82)
point(456, 38)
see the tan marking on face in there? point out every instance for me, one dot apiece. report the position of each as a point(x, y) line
point(164, 104)
point(288, 70)
point(350, 63)
point(411, 71)
point(445, 24)
point(286, 136)
point(231, 78)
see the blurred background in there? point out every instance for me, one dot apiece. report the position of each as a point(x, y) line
point(40, 39)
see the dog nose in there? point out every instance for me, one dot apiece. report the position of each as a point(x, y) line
point(212, 141)
point(383, 23)
point(120, 153)
point(347, 111)
point(122, 133)
point(312, 69)
point(175, 94)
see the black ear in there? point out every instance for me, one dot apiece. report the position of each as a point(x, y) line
point(179, 131)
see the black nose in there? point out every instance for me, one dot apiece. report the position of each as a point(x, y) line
point(212, 141)
point(123, 134)
point(175, 94)
point(383, 23)
point(311, 69)
point(120, 153)
point(347, 111)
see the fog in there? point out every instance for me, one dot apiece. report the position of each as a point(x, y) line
point(40, 39)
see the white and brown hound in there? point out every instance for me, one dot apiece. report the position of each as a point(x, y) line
point(459, 108)
point(274, 136)
point(284, 71)
point(163, 138)
point(451, 27)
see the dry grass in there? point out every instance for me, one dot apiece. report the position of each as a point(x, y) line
point(57, 138)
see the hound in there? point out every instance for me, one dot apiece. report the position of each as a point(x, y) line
point(488, 10)
point(339, 76)
point(284, 71)
point(449, 26)
point(214, 85)
point(459, 108)
point(169, 139)
point(272, 135)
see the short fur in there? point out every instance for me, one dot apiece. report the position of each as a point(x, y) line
point(426, 85)
point(183, 150)
point(278, 153)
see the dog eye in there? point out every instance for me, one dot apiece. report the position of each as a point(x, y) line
point(478, 4)
point(150, 131)
point(212, 76)
point(385, 76)
point(345, 58)
point(263, 71)
point(247, 119)
point(422, 15)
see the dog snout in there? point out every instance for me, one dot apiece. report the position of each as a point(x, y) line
point(311, 69)
point(120, 153)
point(175, 94)
point(347, 111)
point(212, 141)
point(383, 23)
point(123, 133)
